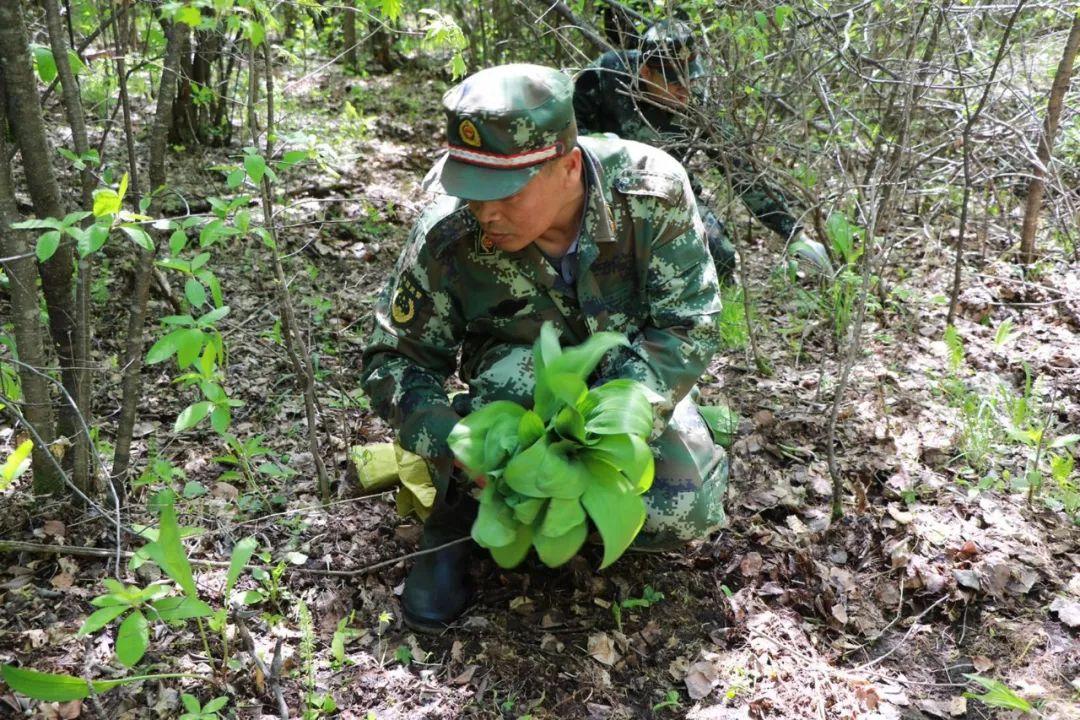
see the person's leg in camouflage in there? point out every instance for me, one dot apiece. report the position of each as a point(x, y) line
point(686, 500)
point(720, 246)
point(438, 587)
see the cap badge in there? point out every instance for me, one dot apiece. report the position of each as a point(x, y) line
point(469, 134)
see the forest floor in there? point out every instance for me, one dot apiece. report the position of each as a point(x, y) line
point(942, 566)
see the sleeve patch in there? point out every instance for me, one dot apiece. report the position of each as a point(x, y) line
point(403, 305)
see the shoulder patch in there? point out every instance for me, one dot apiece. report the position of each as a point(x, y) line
point(406, 297)
point(665, 186)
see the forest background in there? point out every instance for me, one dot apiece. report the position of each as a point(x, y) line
point(199, 202)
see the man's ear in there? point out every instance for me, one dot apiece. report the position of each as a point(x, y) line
point(573, 166)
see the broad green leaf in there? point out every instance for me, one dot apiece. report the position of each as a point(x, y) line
point(616, 510)
point(38, 224)
point(220, 419)
point(579, 362)
point(511, 554)
point(191, 703)
point(106, 202)
point(559, 475)
point(52, 687)
point(570, 425)
point(255, 166)
point(100, 618)
point(618, 407)
point(292, 157)
point(495, 525)
point(110, 600)
point(629, 454)
point(781, 14)
point(138, 236)
point(132, 639)
point(526, 510)
point(16, 463)
point(555, 551)
point(163, 349)
point(469, 438)
point(47, 245)
point(177, 241)
point(241, 553)
point(256, 33)
point(168, 552)
point(45, 62)
point(568, 388)
point(192, 415)
point(122, 190)
point(391, 9)
point(189, 15)
point(214, 315)
point(215, 704)
point(1065, 441)
point(530, 429)
point(171, 609)
point(92, 240)
point(194, 292)
point(562, 516)
point(522, 471)
point(189, 343)
point(235, 178)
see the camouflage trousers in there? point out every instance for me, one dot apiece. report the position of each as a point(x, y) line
point(720, 246)
point(686, 500)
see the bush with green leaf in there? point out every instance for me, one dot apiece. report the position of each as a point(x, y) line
point(578, 455)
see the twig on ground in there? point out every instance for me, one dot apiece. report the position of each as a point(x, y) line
point(270, 674)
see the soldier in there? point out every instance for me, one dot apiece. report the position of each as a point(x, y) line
point(641, 95)
point(540, 225)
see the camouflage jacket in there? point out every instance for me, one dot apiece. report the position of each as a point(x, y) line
point(604, 102)
point(642, 270)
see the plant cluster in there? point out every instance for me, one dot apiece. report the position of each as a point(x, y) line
point(579, 454)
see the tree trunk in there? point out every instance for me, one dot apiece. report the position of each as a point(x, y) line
point(25, 311)
point(133, 358)
point(24, 117)
point(77, 121)
point(350, 34)
point(1046, 144)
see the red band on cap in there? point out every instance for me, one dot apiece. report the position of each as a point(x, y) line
point(504, 162)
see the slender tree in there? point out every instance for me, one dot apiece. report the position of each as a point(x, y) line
point(1046, 144)
point(25, 304)
point(24, 118)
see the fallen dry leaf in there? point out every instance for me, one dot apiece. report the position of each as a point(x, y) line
point(62, 581)
point(751, 564)
point(54, 528)
point(602, 649)
point(701, 679)
point(1068, 611)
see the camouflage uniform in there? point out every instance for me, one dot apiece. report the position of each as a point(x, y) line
point(640, 268)
point(606, 101)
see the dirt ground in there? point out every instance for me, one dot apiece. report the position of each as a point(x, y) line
point(931, 575)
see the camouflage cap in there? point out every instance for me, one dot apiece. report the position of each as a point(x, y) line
point(668, 46)
point(502, 125)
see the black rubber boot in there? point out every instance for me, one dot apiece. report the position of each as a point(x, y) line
point(439, 588)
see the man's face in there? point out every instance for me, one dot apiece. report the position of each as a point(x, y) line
point(515, 222)
point(669, 92)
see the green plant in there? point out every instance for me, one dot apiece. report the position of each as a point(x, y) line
point(671, 701)
point(997, 695)
point(649, 597)
point(734, 334)
point(140, 605)
point(342, 635)
point(580, 454)
point(195, 711)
